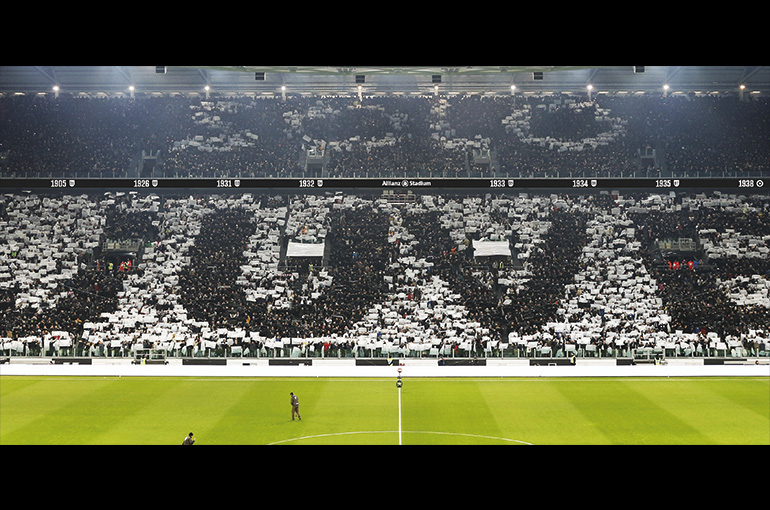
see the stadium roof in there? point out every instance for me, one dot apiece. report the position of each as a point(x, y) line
point(268, 80)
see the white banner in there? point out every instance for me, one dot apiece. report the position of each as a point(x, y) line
point(305, 249)
point(491, 248)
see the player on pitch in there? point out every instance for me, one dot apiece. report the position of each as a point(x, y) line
point(294, 406)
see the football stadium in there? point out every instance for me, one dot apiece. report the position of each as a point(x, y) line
point(312, 255)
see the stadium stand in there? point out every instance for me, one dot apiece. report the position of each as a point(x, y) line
point(637, 273)
point(539, 136)
point(585, 273)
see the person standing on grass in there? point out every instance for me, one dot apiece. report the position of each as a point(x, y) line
point(189, 440)
point(294, 406)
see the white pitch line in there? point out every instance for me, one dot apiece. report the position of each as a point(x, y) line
point(399, 416)
point(399, 432)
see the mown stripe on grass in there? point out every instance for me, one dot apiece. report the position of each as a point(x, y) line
point(254, 410)
point(461, 407)
point(726, 410)
point(82, 411)
point(633, 412)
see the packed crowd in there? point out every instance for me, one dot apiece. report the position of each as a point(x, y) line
point(585, 273)
point(211, 273)
point(424, 136)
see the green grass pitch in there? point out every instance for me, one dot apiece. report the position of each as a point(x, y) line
point(457, 411)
